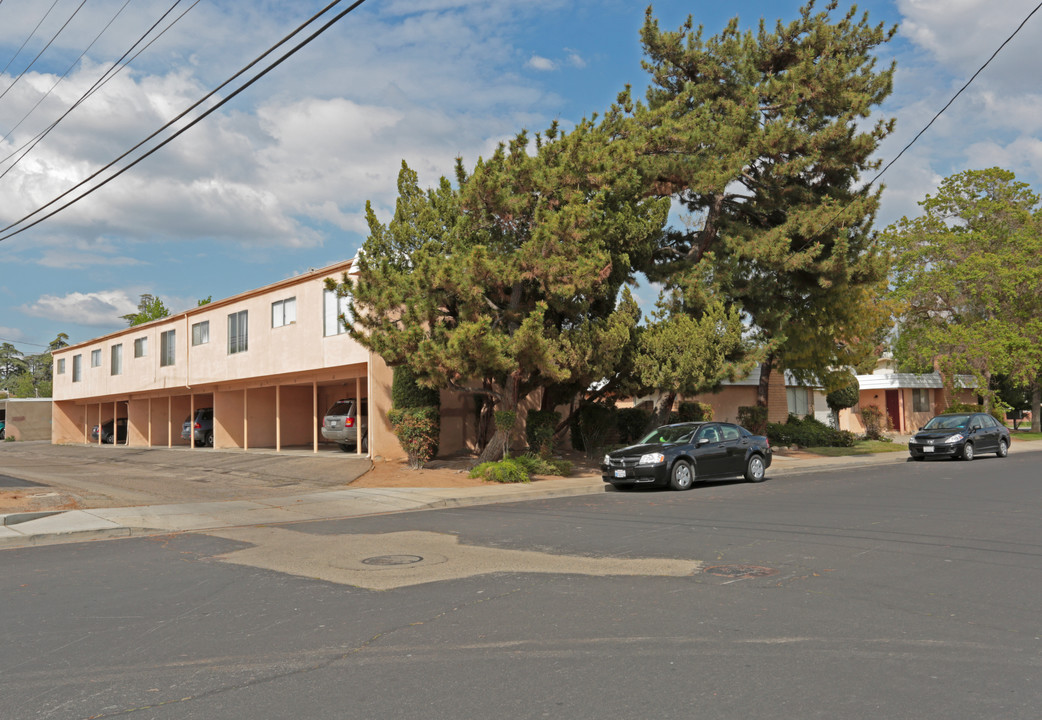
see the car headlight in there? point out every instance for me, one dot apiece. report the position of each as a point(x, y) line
point(957, 437)
point(607, 460)
point(652, 459)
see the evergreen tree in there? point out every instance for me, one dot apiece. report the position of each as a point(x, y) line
point(762, 137)
point(508, 281)
point(148, 309)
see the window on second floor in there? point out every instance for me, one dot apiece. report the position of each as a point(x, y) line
point(237, 332)
point(117, 360)
point(167, 348)
point(141, 347)
point(77, 368)
point(283, 312)
point(61, 366)
point(334, 310)
point(201, 333)
point(95, 358)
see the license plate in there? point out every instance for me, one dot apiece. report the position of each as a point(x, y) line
point(620, 473)
point(928, 448)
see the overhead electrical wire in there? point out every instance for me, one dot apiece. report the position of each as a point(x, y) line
point(53, 38)
point(26, 42)
point(293, 50)
point(108, 75)
point(67, 71)
point(919, 134)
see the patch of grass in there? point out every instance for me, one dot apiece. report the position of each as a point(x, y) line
point(861, 447)
point(1020, 435)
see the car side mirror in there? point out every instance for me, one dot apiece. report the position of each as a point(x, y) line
point(702, 441)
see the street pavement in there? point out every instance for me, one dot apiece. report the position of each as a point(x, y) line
point(269, 508)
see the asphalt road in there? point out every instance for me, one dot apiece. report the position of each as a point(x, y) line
point(893, 592)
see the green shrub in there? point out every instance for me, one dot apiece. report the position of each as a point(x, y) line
point(753, 418)
point(417, 431)
point(406, 393)
point(630, 422)
point(510, 470)
point(876, 422)
point(808, 432)
point(691, 411)
point(843, 398)
point(592, 427)
point(539, 430)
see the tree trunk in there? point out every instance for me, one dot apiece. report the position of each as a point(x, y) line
point(497, 446)
point(663, 407)
point(1036, 402)
point(765, 382)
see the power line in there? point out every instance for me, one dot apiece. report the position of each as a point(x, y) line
point(53, 38)
point(189, 125)
point(108, 75)
point(26, 42)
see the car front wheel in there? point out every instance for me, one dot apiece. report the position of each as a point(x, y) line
point(682, 476)
point(967, 451)
point(754, 469)
point(1003, 450)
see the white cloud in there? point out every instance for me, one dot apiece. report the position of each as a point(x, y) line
point(543, 64)
point(103, 308)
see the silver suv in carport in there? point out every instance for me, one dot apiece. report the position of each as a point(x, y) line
point(340, 425)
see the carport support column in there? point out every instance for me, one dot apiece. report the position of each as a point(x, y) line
point(314, 416)
point(245, 419)
point(358, 416)
point(169, 421)
point(278, 418)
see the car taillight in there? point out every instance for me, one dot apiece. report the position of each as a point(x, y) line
point(198, 426)
point(350, 422)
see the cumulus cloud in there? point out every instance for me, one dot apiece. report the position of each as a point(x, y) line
point(99, 309)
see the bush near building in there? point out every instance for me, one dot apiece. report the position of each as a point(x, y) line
point(808, 432)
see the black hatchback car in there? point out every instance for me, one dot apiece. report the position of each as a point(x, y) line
point(960, 435)
point(676, 455)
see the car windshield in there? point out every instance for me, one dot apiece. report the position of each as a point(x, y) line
point(668, 434)
point(947, 422)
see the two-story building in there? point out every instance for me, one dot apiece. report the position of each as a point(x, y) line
point(269, 362)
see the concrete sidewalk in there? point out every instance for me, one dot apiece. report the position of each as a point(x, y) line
point(26, 529)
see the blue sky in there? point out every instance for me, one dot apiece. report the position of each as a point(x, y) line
point(276, 181)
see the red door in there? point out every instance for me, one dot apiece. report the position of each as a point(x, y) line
point(893, 409)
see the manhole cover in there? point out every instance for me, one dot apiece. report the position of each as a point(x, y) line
point(392, 560)
point(737, 571)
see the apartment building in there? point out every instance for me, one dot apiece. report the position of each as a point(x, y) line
point(269, 362)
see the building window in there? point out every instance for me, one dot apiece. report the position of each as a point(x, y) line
point(167, 346)
point(117, 359)
point(141, 347)
point(61, 366)
point(95, 358)
point(334, 308)
point(201, 333)
point(797, 401)
point(920, 400)
point(77, 368)
point(237, 333)
point(283, 312)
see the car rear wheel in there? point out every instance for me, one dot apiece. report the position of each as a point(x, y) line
point(967, 451)
point(682, 476)
point(754, 469)
point(209, 439)
point(1003, 450)
point(365, 443)
point(344, 447)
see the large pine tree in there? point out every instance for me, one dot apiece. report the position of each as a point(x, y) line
point(762, 136)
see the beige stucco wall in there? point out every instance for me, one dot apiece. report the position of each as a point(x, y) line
point(27, 418)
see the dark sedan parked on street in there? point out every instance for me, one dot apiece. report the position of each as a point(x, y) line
point(960, 435)
point(677, 455)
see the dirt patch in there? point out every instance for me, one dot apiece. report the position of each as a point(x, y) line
point(449, 473)
point(12, 501)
